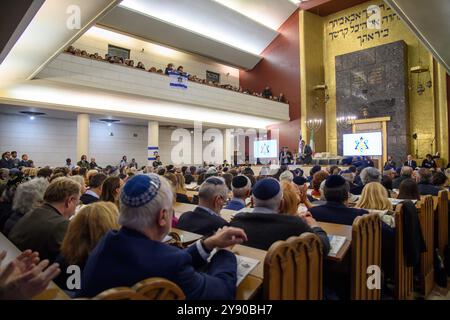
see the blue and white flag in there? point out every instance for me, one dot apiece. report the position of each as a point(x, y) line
point(178, 80)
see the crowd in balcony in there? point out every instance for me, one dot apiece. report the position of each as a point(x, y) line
point(266, 93)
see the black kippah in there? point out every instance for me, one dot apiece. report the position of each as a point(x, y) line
point(334, 181)
point(239, 182)
point(300, 181)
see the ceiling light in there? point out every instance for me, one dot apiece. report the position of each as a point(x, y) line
point(109, 122)
point(32, 114)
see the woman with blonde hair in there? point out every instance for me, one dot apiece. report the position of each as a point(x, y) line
point(178, 186)
point(291, 198)
point(84, 231)
point(374, 197)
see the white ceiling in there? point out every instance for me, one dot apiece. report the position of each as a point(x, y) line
point(429, 20)
point(233, 32)
point(47, 35)
point(271, 13)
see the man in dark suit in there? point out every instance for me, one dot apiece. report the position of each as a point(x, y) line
point(43, 229)
point(307, 153)
point(390, 163)
point(137, 252)
point(410, 162)
point(206, 219)
point(424, 176)
point(95, 189)
point(266, 224)
point(5, 161)
point(25, 162)
point(335, 210)
point(285, 157)
point(405, 173)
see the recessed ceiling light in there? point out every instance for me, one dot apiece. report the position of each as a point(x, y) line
point(32, 114)
point(109, 122)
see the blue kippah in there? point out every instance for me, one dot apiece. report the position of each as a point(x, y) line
point(300, 181)
point(266, 189)
point(334, 181)
point(140, 190)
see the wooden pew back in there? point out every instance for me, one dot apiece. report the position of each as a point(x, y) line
point(403, 275)
point(426, 218)
point(159, 289)
point(293, 269)
point(366, 251)
point(441, 219)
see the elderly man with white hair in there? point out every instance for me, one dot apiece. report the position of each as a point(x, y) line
point(206, 219)
point(242, 187)
point(28, 196)
point(136, 252)
point(369, 174)
point(266, 224)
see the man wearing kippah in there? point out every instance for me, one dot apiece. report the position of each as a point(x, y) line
point(335, 210)
point(241, 186)
point(266, 224)
point(136, 252)
point(206, 219)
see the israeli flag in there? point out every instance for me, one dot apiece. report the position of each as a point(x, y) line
point(178, 80)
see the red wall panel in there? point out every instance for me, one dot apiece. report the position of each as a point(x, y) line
point(280, 69)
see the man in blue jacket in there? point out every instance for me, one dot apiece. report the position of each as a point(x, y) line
point(242, 187)
point(136, 252)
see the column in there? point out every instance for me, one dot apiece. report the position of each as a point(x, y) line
point(228, 145)
point(83, 125)
point(153, 141)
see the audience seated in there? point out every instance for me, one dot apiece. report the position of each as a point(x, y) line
point(29, 196)
point(439, 179)
point(84, 232)
point(368, 175)
point(316, 181)
point(374, 197)
point(410, 162)
point(267, 224)
point(408, 190)
point(424, 183)
point(405, 173)
point(241, 187)
point(111, 190)
point(335, 210)
point(95, 189)
point(206, 219)
point(43, 229)
point(267, 92)
point(136, 252)
point(291, 198)
point(429, 162)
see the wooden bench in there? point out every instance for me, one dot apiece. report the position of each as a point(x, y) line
point(441, 221)
point(293, 269)
point(426, 218)
point(366, 251)
point(404, 275)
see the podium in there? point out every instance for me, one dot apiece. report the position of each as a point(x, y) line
point(374, 125)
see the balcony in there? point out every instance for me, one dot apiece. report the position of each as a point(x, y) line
point(70, 69)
